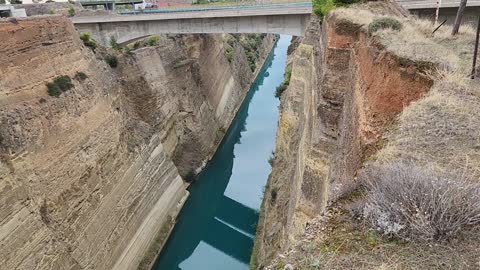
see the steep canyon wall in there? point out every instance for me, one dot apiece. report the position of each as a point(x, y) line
point(87, 179)
point(346, 89)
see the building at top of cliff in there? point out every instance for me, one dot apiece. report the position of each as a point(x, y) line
point(11, 11)
point(41, 1)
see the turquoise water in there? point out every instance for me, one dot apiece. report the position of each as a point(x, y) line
point(216, 227)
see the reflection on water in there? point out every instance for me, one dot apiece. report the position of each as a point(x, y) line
point(216, 227)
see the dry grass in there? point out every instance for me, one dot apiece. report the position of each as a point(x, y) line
point(415, 40)
point(339, 240)
point(286, 126)
point(358, 16)
point(440, 129)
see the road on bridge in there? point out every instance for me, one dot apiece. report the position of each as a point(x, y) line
point(283, 9)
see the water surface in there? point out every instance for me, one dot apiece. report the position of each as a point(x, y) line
point(216, 227)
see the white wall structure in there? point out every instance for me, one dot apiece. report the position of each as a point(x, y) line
point(11, 11)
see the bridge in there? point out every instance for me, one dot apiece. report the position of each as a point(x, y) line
point(290, 19)
point(432, 4)
point(448, 9)
point(108, 4)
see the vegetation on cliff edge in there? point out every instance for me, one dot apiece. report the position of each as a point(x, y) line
point(59, 85)
point(88, 40)
point(322, 7)
point(251, 44)
point(111, 60)
point(384, 23)
point(286, 82)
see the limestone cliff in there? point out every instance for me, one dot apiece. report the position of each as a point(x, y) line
point(88, 178)
point(348, 106)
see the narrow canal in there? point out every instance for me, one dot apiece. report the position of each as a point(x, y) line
point(216, 228)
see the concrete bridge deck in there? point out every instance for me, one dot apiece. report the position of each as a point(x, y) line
point(289, 19)
point(197, 14)
point(431, 4)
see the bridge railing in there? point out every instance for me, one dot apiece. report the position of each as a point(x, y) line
point(228, 4)
point(428, 4)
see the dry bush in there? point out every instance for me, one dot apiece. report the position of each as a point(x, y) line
point(415, 203)
point(285, 132)
point(384, 23)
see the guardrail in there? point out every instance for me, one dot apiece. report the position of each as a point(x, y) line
point(427, 4)
point(193, 8)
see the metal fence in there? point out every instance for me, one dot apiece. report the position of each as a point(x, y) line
point(139, 6)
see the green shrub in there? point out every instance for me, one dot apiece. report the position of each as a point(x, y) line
point(384, 23)
point(14, 2)
point(229, 54)
point(137, 45)
point(230, 40)
point(80, 76)
point(88, 40)
point(322, 7)
point(53, 90)
point(64, 82)
point(60, 84)
point(153, 40)
point(111, 60)
point(251, 44)
point(71, 12)
point(288, 75)
point(286, 82)
point(2, 2)
point(114, 44)
point(128, 50)
point(85, 36)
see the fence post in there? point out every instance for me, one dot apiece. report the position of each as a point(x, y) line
point(475, 52)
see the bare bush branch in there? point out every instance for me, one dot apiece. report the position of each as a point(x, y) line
point(416, 203)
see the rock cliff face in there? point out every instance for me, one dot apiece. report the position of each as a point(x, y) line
point(87, 179)
point(345, 90)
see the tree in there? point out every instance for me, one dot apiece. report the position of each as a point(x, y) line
point(458, 19)
point(71, 12)
point(2, 2)
point(114, 44)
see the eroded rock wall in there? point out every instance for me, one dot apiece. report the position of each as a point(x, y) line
point(345, 90)
point(198, 96)
point(87, 179)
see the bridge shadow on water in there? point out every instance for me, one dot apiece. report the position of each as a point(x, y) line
point(212, 225)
